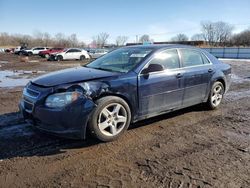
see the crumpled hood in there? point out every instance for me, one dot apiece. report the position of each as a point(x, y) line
point(71, 75)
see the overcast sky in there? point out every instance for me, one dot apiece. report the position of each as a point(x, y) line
point(161, 19)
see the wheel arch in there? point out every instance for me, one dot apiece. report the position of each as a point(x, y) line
point(222, 81)
point(120, 96)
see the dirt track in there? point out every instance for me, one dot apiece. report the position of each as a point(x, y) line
point(188, 148)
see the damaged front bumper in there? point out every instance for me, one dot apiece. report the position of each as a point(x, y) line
point(69, 121)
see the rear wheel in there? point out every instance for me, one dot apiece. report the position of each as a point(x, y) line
point(216, 95)
point(30, 53)
point(110, 118)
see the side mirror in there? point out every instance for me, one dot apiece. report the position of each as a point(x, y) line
point(152, 68)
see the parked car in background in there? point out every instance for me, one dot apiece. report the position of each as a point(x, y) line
point(126, 85)
point(34, 51)
point(9, 50)
point(70, 54)
point(96, 53)
point(47, 53)
point(18, 50)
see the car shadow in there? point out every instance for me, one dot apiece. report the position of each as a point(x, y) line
point(196, 108)
point(19, 139)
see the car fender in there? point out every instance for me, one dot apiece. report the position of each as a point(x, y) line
point(218, 75)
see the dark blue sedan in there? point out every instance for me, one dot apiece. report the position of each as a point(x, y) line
point(126, 85)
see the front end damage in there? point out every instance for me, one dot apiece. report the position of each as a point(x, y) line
point(68, 121)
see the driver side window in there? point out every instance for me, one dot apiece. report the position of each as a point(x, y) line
point(169, 59)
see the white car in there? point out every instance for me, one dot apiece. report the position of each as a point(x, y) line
point(34, 51)
point(70, 54)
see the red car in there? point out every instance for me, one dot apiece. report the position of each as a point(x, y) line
point(47, 53)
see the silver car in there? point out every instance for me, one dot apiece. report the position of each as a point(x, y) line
point(96, 53)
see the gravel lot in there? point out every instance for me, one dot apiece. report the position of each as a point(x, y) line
point(193, 147)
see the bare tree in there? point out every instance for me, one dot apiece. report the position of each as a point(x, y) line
point(144, 38)
point(46, 38)
point(197, 37)
point(73, 41)
point(242, 38)
point(101, 39)
point(121, 40)
point(40, 39)
point(180, 37)
point(216, 33)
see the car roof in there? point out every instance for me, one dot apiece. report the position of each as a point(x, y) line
point(161, 46)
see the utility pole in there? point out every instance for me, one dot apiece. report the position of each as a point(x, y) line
point(136, 38)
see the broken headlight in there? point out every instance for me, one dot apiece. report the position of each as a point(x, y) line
point(61, 99)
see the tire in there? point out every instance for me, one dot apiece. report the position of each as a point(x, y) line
point(46, 56)
point(59, 58)
point(216, 95)
point(110, 118)
point(30, 53)
point(82, 57)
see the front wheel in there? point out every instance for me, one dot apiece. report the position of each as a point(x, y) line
point(82, 57)
point(59, 58)
point(110, 118)
point(216, 95)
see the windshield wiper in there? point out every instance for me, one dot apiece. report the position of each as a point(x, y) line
point(105, 69)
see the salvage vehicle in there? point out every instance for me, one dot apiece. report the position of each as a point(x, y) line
point(33, 51)
point(124, 86)
point(47, 53)
point(70, 54)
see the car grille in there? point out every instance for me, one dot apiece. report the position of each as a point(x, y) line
point(28, 106)
point(31, 93)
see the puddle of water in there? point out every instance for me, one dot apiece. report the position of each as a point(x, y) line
point(237, 79)
point(236, 95)
point(12, 79)
point(3, 62)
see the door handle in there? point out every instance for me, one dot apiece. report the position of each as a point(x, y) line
point(210, 70)
point(179, 75)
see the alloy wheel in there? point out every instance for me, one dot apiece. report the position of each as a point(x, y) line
point(112, 119)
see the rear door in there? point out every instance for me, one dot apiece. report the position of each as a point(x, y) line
point(163, 90)
point(198, 71)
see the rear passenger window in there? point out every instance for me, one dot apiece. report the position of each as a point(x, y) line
point(205, 60)
point(191, 58)
point(169, 59)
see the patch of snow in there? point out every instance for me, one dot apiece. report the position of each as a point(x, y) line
point(228, 59)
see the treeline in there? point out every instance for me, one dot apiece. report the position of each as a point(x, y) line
point(217, 34)
point(40, 39)
point(212, 33)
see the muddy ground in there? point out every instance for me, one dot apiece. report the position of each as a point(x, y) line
point(192, 147)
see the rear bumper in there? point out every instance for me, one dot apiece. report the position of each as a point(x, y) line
point(70, 121)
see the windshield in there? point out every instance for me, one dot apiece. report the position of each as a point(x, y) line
point(121, 60)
